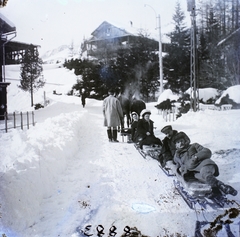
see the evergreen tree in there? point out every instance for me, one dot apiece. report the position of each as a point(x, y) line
point(177, 61)
point(31, 71)
point(219, 45)
point(133, 66)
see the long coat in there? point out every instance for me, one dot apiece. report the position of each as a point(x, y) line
point(183, 159)
point(112, 111)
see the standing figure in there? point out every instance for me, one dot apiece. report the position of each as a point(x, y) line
point(83, 98)
point(168, 146)
point(145, 134)
point(113, 115)
point(193, 161)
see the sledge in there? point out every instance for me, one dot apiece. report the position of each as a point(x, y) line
point(194, 192)
point(167, 170)
point(149, 151)
point(124, 132)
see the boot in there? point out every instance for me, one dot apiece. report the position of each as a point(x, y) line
point(227, 189)
point(109, 132)
point(115, 135)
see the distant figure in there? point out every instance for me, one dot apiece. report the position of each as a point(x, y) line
point(193, 161)
point(83, 98)
point(145, 134)
point(113, 115)
point(168, 146)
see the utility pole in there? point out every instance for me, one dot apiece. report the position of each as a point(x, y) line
point(160, 56)
point(191, 7)
point(160, 49)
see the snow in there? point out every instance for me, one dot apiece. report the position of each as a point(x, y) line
point(167, 94)
point(62, 175)
point(233, 93)
point(206, 93)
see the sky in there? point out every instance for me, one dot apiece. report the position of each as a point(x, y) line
point(51, 23)
point(62, 175)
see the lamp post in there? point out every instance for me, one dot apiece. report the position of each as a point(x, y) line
point(160, 48)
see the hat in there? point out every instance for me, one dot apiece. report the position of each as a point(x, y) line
point(134, 113)
point(181, 135)
point(145, 111)
point(166, 129)
point(111, 90)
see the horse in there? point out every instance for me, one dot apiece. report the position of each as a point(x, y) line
point(137, 106)
point(125, 103)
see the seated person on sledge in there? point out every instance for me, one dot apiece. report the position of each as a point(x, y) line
point(145, 134)
point(131, 132)
point(168, 146)
point(193, 161)
point(133, 129)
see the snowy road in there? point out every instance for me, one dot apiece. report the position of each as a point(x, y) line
point(85, 180)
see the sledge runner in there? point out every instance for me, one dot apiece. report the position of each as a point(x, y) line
point(193, 161)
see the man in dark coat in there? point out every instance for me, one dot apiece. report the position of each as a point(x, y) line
point(168, 146)
point(113, 115)
point(83, 98)
point(145, 134)
point(193, 160)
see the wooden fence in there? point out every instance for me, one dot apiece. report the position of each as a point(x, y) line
point(168, 114)
point(16, 120)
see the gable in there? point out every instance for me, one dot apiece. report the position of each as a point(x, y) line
point(6, 26)
point(107, 31)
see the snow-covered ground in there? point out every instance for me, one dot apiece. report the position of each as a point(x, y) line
point(63, 176)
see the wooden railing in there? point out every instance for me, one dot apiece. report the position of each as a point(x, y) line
point(16, 120)
point(168, 114)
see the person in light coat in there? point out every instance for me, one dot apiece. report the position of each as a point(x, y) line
point(193, 161)
point(113, 115)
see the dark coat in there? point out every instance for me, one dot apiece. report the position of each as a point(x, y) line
point(183, 159)
point(134, 126)
point(112, 112)
point(142, 137)
point(83, 97)
point(143, 127)
point(168, 149)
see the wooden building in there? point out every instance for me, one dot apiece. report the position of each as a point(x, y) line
point(107, 39)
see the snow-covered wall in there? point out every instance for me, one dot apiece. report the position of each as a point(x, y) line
point(53, 153)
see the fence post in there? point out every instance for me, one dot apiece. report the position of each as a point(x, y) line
point(21, 115)
point(27, 120)
point(33, 119)
point(5, 118)
point(44, 98)
point(14, 119)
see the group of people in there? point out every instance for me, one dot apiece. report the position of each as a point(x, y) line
point(190, 160)
point(141, 130)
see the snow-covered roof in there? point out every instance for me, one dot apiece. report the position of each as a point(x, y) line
point(7, 26)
